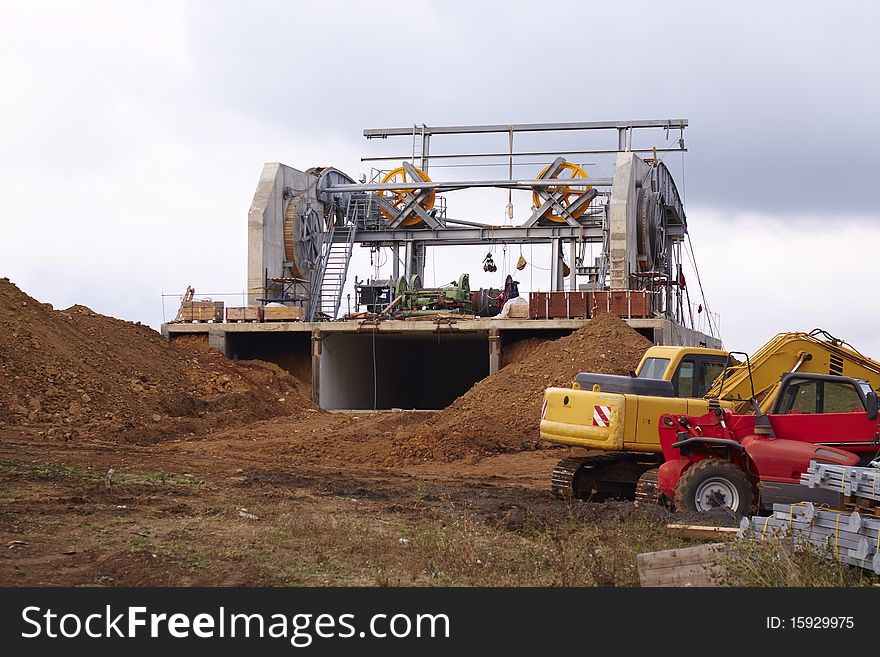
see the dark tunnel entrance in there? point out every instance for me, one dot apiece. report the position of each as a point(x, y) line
point(409, 371)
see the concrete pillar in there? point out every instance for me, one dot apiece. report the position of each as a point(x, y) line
point(494, 351)
point(629, 173)
point(217, 340)
point(572, 264)
point(557, 281)
point(395, 250)
point(407, 260)
point(317, 337)
point(658, 336)
point(415, 260)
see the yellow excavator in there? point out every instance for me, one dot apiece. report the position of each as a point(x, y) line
point(615, 417)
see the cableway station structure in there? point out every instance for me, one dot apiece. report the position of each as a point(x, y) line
point(623, 233)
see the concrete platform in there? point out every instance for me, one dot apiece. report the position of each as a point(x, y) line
point(399, 364)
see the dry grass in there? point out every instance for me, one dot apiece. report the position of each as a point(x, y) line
point(451, 547)
point(777, 561)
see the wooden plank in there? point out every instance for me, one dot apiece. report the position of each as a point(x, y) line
point(680, 556)
point(693, 575)
point(390, 306)
point(700, 532)
point(696, 566)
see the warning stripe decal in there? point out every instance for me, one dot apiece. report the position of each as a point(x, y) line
point(601, 415)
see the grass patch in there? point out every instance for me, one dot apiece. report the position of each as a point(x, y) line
point(45, 470)
point(50, 470)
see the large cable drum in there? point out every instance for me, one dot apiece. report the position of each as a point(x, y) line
point(302, 226)
point(649, 229)
point(304, 222)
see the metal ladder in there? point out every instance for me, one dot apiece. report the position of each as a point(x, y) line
point(419, 146)
point(331, 272)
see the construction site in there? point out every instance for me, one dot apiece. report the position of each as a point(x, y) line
point(346, 426)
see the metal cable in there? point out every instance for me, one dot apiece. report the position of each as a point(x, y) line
point(693, 259)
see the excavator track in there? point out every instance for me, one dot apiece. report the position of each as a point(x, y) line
point(647, 488)
point(562, 478)
point(612, 474)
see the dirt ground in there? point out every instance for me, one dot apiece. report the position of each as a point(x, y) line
point(246, 509)
point(129, 461)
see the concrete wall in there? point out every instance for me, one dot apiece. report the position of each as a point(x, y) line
point(680, 336)
point(629, 170)
point(266, 223)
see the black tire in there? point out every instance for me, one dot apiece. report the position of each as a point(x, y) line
point(712, 483)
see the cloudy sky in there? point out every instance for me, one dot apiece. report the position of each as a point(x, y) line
point(132, 134)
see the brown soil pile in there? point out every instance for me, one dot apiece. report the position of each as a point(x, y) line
point(520, 350)
point(502, 412)
point(77, 372)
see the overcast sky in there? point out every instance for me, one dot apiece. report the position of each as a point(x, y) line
point(132, 134)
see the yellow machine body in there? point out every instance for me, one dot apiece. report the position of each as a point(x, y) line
point(570, 415)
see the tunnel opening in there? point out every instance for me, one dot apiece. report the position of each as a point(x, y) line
point(647, 332)
point(407, 371)
point(291, 351)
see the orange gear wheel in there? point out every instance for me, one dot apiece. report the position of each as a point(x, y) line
point(396, 197)
point(567, 171)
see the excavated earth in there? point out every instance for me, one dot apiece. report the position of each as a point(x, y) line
point(118, 449)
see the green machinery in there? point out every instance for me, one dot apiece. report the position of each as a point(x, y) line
point(413, 300)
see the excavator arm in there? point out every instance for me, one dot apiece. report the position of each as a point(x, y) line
point(816, 352)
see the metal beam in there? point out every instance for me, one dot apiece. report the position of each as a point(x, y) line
point(446, 156)
point(465, 184)
point(476, 236)
point(382, 133)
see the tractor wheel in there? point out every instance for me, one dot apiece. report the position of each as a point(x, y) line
point(712, 483)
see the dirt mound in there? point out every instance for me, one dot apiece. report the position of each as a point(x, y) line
point(76, 372)
point(520, 350)
point(502, 412)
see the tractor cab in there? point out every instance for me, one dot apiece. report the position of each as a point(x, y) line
point(823, 393)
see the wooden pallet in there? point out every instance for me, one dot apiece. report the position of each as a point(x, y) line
point(856, 503)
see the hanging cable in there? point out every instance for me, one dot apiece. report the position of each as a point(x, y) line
point(690, 250)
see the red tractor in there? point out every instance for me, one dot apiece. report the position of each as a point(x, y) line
point(720, 458)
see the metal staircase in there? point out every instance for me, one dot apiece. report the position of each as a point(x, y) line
point(331, 272)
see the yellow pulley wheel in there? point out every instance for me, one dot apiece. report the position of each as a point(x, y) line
point(567, 171)
point(397, 197)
